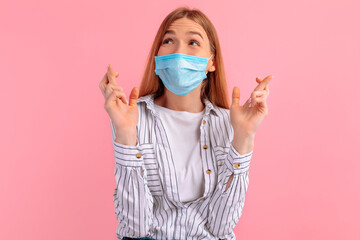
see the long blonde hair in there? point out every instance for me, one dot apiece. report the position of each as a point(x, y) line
point(214, 87)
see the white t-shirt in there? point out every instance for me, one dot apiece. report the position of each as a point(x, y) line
point(183, 132)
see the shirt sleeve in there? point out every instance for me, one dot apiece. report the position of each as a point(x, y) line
point(226, 207)
point(132, 198)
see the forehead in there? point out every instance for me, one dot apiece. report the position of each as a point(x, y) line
point(185, 25)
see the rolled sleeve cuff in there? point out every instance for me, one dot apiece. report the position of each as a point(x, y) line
point(131, 156)
point(238, 163)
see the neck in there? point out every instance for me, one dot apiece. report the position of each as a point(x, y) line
point(189, 103)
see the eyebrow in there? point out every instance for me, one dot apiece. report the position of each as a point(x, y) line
point(189, 32)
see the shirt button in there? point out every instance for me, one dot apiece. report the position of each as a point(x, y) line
point(204, 121)
point(205, 146)
point(237, 165)
point(138, 155)
point(202, 198)
point(208, 171)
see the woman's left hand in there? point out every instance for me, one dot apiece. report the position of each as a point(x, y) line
point(246, 119)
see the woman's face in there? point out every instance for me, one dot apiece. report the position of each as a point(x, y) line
point(188, 37)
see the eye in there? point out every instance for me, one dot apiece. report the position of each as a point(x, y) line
point(193, 41)
point(168, 39)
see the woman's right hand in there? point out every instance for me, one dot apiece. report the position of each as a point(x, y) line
point(124, 116)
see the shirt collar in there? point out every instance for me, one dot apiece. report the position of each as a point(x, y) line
point(149, 100)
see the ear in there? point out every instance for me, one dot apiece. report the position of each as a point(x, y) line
point(213, 61)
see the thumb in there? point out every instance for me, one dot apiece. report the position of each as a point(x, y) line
point(235, 96)
point(134, 96)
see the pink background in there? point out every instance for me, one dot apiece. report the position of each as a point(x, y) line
point(57, 166)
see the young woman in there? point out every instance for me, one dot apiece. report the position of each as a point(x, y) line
point(182, 153)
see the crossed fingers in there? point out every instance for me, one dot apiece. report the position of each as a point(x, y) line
point(260, 93)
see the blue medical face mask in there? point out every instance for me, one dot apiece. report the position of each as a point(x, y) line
point(181, 73)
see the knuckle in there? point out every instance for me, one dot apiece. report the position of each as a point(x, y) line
point(108, 95)
point(115, 87)
point(108, 88)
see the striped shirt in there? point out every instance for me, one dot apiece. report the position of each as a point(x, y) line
point(146, 196)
